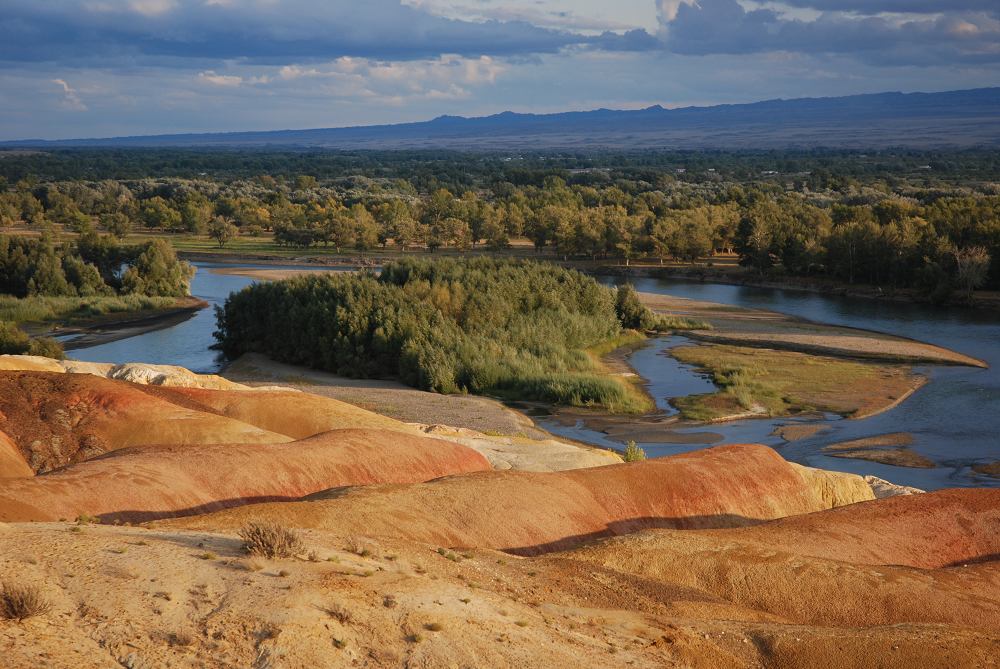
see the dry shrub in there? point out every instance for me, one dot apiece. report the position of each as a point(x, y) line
point(251, 564)
point(19, 602)
point(360, 547)
point(270, 540)
point(338, 613)
point(181, 638)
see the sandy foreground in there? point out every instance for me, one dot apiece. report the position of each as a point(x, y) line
point(442, 546)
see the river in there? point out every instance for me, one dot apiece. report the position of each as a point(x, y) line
point(955, 419)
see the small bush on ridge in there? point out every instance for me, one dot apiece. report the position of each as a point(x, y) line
point(270, 540)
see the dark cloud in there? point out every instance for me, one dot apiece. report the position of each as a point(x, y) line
point(726, 27)
point(632, 40)
point(261, 30)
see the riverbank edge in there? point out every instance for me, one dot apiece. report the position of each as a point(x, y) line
point(126, 324)
point(981, 301)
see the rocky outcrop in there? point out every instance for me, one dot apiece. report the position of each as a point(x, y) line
point(882, 488)
point(134, 372)
point(835, 488)
point(523, 454)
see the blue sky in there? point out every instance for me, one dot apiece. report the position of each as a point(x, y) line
point(85, 68)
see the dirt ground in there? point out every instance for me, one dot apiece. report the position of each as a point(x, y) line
point(272, 274)
point(389, 398)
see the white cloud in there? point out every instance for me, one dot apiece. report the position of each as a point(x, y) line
point(226, 80)
point(394, 82)
point(71, 99)
point(152, 7)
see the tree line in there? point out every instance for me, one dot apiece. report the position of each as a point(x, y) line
point(40, 277)
point(897, 231)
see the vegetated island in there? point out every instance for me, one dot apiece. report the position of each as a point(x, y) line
point(512, 329)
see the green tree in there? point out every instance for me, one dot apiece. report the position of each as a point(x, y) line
point(222, 231)
point(117, 223)
point(157, 271)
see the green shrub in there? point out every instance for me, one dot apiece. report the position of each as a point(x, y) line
point(634, 453)
point(634, 315)
point(14, 341)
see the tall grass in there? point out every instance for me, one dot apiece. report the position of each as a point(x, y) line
point(42, 308)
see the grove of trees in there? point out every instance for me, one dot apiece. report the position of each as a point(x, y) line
point(915, 220)
point(499, 327)
point(95, 265)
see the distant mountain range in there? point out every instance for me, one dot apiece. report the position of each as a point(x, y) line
point(920, 120)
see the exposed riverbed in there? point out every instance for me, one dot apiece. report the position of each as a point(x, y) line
point(954, 420)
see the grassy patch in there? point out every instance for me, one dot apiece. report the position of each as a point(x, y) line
point(776, 383)
point(665, 323)
point(626, 338)
point(40, 309)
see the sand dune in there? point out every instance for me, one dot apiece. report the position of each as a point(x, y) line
point(288, 412)
point(818, 569)
point(929, 531)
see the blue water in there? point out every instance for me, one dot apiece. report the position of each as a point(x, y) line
point(187, 343)
point(955, 419)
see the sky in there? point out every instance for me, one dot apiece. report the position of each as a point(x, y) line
point(100, 68)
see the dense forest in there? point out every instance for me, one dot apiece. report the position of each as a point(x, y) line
point(509, 328)
point(925, 221)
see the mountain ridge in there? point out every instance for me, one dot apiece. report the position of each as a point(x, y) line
point(963, 118)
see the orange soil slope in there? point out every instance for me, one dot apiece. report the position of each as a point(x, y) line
point(932, 530)
point(145, 483)
point(294, 414)
point(531, 513)
point(804, 570)
point(12, 463)
point(57, 419)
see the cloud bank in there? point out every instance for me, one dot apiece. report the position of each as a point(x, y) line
point(72, 67)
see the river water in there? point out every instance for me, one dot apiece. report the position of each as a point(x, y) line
point(955, 419)
point(187, 343)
